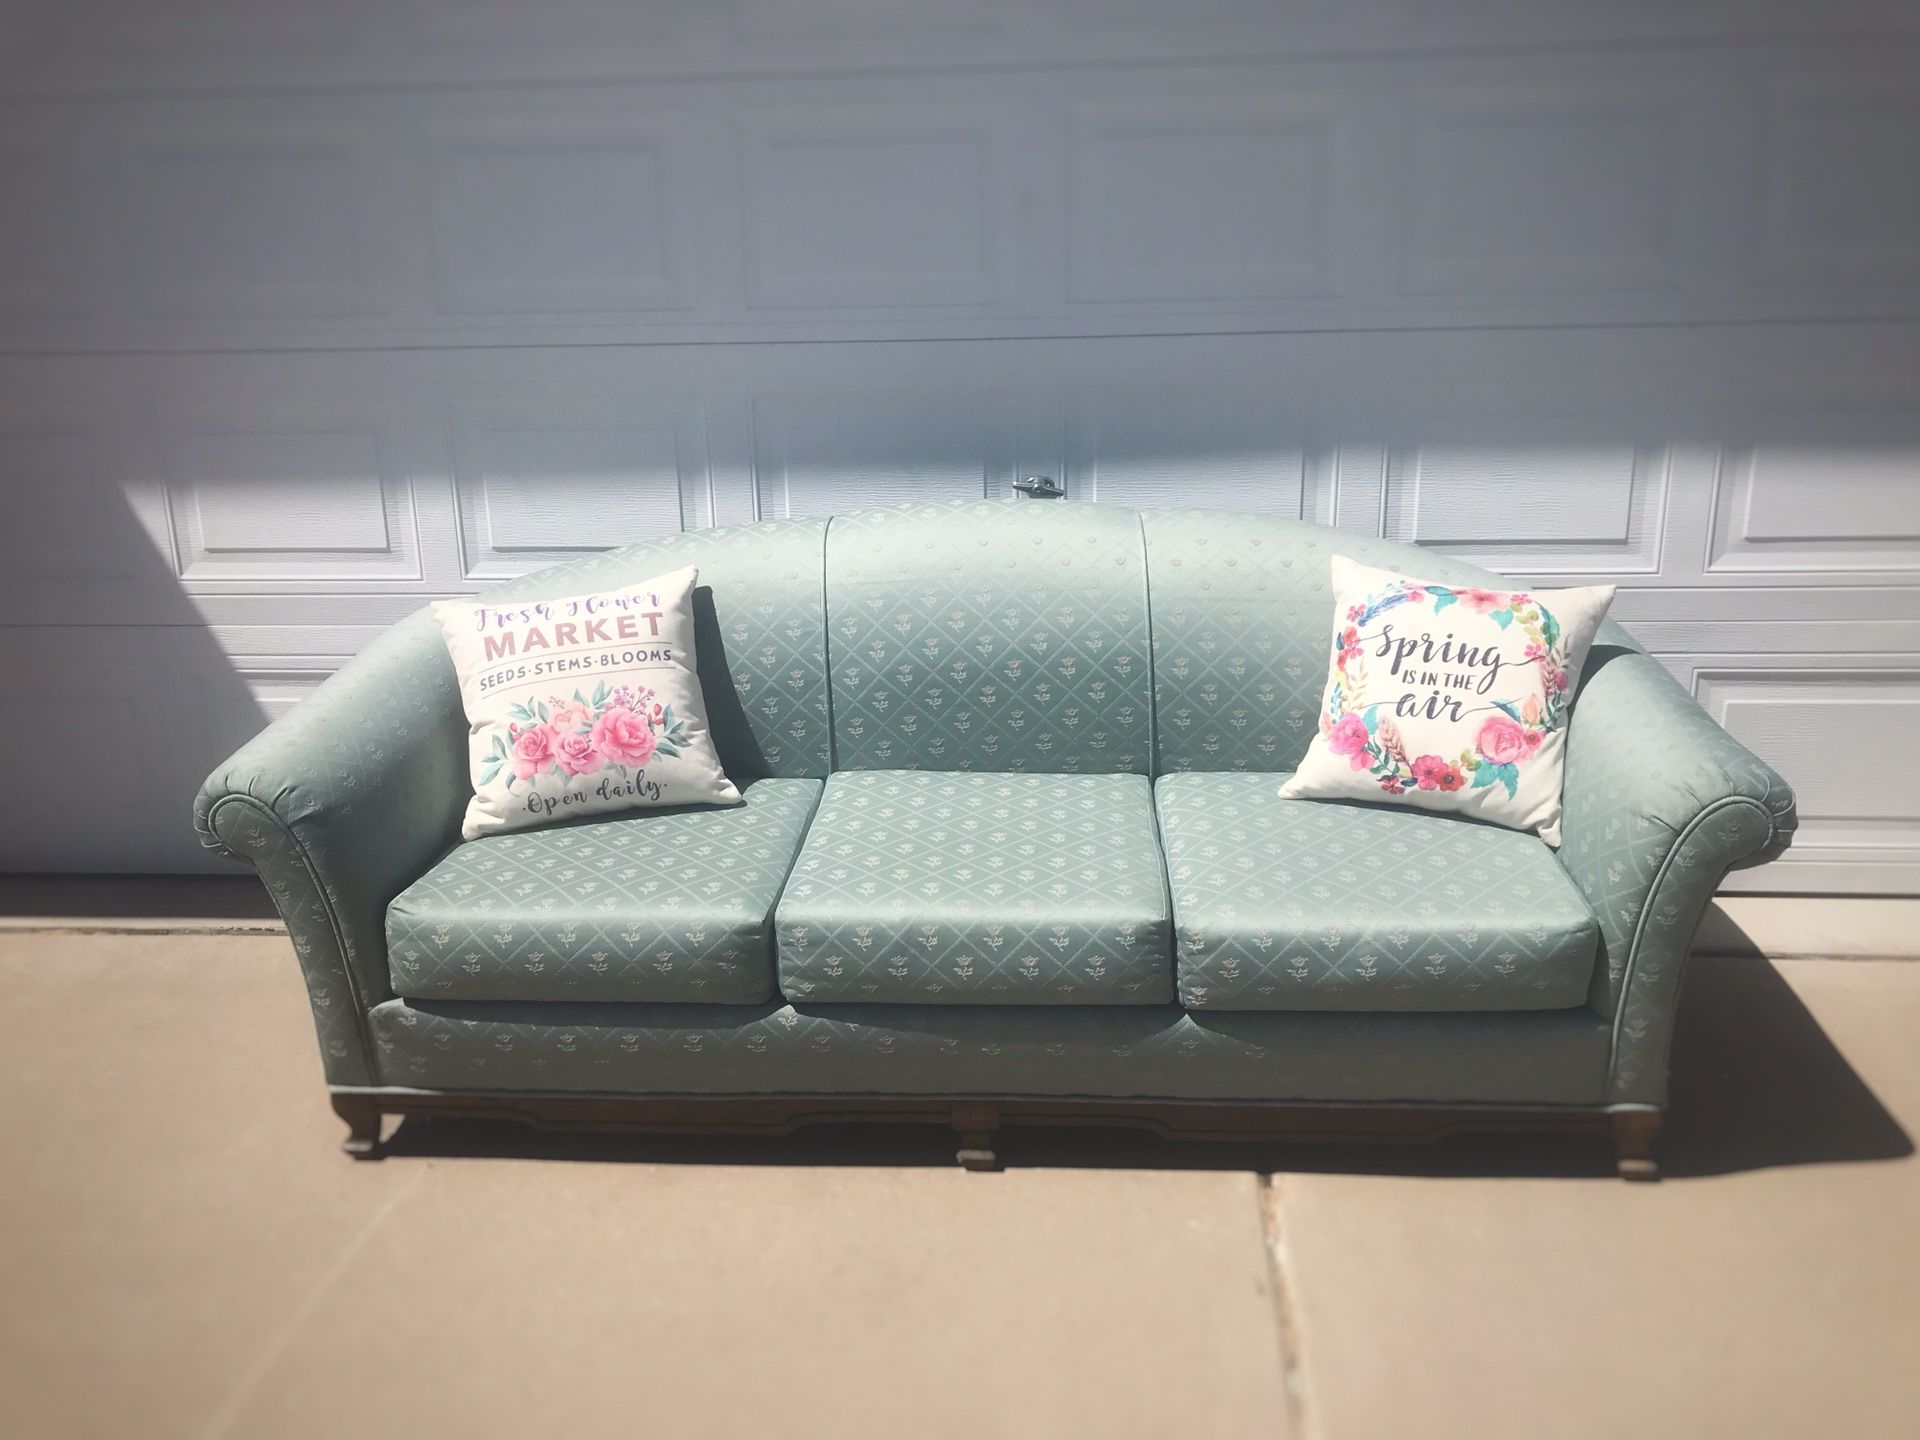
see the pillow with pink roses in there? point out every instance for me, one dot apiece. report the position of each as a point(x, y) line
point(583, 705)
point(1449, 697)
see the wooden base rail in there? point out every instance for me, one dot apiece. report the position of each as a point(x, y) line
point(977, 1122)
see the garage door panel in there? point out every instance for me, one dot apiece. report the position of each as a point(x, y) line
point(305, 324)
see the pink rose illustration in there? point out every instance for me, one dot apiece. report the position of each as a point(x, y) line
point(1349, 737)
point(1427, 771)
point(1534, 737)
point(570, 715)
point(533, 752)
point(1481, 600)
point(1502, 741)
point(576, 755)
point(623, 738)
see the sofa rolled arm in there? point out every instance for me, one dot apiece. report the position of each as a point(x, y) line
point(341, 804)
point(1660, 803)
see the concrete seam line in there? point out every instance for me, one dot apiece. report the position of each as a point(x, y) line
point(224, 1418)
point(1270, 1193)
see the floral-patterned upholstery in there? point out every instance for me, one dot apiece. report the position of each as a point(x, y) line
point(979, 890)
point(654, 905)
point(1241, 610)
point(339, 805)
point(1306, 905)
point(759, 621)
point(1146, 645)
point(990, 637)
point(1660, 803)
point(1549, 1057)
point(346, 801)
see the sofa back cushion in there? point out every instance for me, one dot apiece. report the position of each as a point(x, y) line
point(759, 634)
point(1242, 614)
point(983, 636)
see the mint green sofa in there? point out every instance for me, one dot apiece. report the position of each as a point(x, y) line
point(1010, 852)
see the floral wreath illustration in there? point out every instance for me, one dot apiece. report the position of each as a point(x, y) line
point(1506, 739)
point(620, 729)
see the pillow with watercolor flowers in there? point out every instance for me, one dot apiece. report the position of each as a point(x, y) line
point(1449, 697)
point(583, 705)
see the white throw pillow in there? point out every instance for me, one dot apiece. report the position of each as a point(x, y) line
point(583, 705)
point(1449, 697)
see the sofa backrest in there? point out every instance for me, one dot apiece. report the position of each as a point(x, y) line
point(759, 634)
point(1242, 620)
point(1045, 637)
point(985, 636)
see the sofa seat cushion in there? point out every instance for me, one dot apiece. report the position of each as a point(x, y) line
point(1311, 905)
point(658, 906)
point(936, 888)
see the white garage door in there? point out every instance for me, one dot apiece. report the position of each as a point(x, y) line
point(311, 314)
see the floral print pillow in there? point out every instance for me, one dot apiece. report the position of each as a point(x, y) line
point(583, 705)
point(1449, 697)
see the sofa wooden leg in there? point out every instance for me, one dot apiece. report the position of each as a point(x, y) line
point(976, 1125)
point(1635, 1133)
point(362, 1115)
